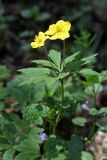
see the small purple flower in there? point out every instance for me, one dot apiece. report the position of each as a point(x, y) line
point(85, 106)
point(43, 136)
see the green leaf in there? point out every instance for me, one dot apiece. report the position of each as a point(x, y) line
point(55, 57)
point(28, 145)
point(91, 76)
point(60, 157)
point(34, 75)
point(29, 149)
point(50, 80)
point(8, 155)
point(71, 58)
point(88, 72)
point(35, 131)
point(34, 113)
point(75, 147)
point(88, 59)
point(45, 63)
point(103, 75)
point(79, 121)
point(91, 80)
point(35, 71)
point(4, 146)
point(62, 75)
point(95, 112)
point(26, 93)
point(52, 147)
point(93, 90)
point(102, 125)
point(26, 155)
point(86, 156)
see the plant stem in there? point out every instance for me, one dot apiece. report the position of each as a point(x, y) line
point(93, 131)
point(63, 58)
point(62, 92)
point(56, 123)
point(62, 89)
point(59, 113)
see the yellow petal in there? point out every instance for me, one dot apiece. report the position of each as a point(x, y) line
point(41, 44)
point(60, 22)
point(68, 26)
point(65, 25)
point(52, 30)
point(60, 35)
point(41, 34)
point(64, 35)
point(34, 45)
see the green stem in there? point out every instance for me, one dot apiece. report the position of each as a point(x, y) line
point(93, 131)
point(63, 58)
point(62, 89)
point(62, 93)
point(56, 122)
point(59, 113)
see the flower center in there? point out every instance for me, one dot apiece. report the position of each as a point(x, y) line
point(59, 29)
point(39, 40)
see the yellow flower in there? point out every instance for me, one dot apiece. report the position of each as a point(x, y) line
point(39, 40)
point(60, 30)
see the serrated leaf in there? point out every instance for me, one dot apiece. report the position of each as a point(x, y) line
point(29, 155)
point(35, 71)
point(34, 75)
point(27, 145)
point(88, 59)
point(79, 121)
point(45, 63)
point(71, 58)
point(103, 75)
point(88, 72)
point(62, 75)
point(55, 57)
point(8, 154)
point(93, 90)
point(50, 80)
point(26, 92)
point(35, 131)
